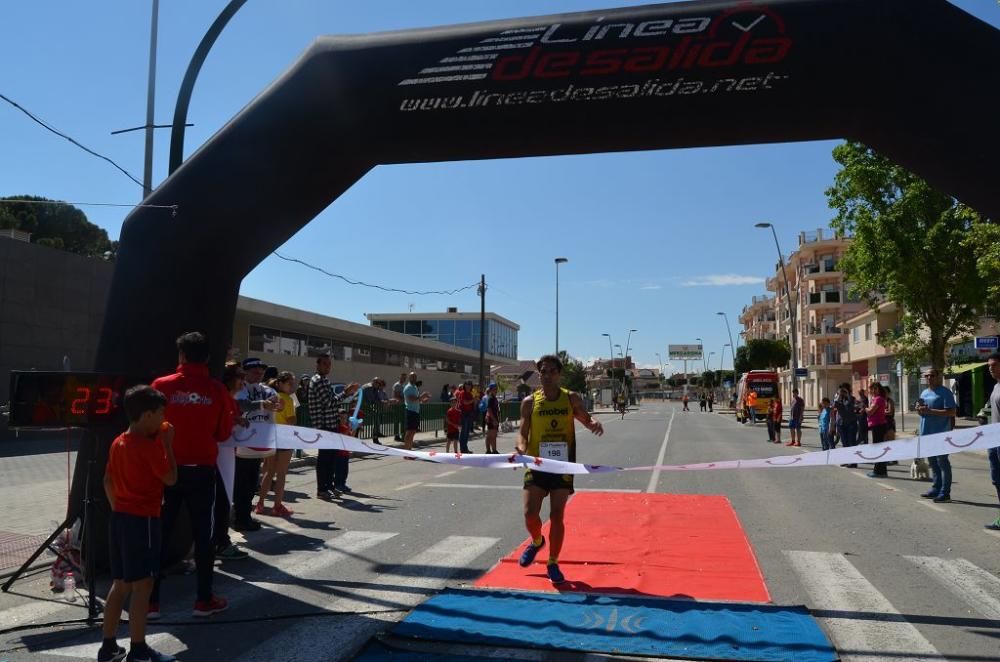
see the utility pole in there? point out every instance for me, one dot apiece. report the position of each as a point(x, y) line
point(147, 171)
point(482, 333)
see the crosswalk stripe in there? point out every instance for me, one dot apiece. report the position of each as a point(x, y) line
point(880, 632)
point(967, 581)
point(405, 585)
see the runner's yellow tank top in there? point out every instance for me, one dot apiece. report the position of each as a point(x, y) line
point(553, 432)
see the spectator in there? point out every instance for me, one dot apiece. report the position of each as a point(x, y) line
point(323, 413)
point(412, 397)
point(862, 403)
point(492, 419)
point(752, 406)
point(795, 418)
point(467, 403)
point(936, 407)
point(225, 548)
point(374, 401)
point(276, 466)
point(684, 401)
point(302, 395)
point(199, 408)
point(258, 403)
point(523, 389)
point(397, 395)
point(445, 393)
point(140, 462)
point(994, 453)
point(823, 424)
point(875, 415)
point(711, 401)
point(845, 418)
point(776, 412)
point(770, 420)
point(702, 402)
point(453, 425)
point(890, 417)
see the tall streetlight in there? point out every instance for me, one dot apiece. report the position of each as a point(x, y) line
point(611, 358)
point(731, 346)
point(703, 364)
point(625, 362)
point(559, 260)
point(788, 296)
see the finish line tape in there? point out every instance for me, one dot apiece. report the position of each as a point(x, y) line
point(270, 435)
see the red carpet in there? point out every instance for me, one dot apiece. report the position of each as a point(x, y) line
point(668, 545)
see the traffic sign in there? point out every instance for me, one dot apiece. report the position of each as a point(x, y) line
point(802, 372)
point(684, 352)
point(987, 342)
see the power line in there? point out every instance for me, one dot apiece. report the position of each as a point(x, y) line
point(377, 287)
point(63, 135)
point(25, 201)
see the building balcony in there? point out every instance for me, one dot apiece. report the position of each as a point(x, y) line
point(823, 299)
point(815, 331)
point(823, 359)
point(808, 239)
point(825, 270)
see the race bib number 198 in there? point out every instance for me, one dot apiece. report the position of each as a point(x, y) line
point(553, 450)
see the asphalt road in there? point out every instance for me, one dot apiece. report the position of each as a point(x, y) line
point(889, 575)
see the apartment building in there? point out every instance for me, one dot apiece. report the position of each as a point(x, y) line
point(819, 304)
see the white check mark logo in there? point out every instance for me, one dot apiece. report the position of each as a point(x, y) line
point(752, 25)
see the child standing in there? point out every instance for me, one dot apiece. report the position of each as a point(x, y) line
point(825, 440)
point(276, 466)
point(453, 425)
point(140, 462)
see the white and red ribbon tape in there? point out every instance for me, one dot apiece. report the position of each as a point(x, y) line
point(269, 435)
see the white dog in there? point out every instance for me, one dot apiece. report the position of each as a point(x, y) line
point(919, 469)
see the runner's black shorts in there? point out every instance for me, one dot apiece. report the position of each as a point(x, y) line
point(548, 482)
point(135, 546)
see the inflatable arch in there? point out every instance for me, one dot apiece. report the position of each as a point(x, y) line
point(917, 80)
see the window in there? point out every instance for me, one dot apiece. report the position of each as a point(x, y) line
point(361, 353)
point(317, 346)
point(293, 344)
point(412, 327)
point(429, 328)
point(393, 358)
point(868, 331)
point(380, 324)
point(378, 355)
point(396, 325)
point(446, 327)
point(856, 334)
point(264, 340)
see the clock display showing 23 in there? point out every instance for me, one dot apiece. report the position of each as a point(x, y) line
point(77, 399)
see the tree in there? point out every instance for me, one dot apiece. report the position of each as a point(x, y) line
point(762, 355)
point(708, 379)
point(56, 225)
point(911, 245)
point(574, 375)
point(502, 384)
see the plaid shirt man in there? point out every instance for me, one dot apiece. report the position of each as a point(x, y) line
point(323, 404)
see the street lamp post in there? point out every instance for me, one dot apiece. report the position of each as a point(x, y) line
point(732, 345)
point(660, 360)
point(625, 362)
point(559, 260)
point(704, 365)
point(611, 358)
point(788, 296)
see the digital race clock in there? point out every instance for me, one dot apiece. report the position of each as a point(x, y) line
point(64, 399)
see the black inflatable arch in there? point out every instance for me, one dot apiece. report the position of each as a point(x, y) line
point(919, 80)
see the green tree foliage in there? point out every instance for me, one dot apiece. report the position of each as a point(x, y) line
point(708, 379)
point(984, 239)
point(574, 376)
point(55, 225)
point(762, 355)
point(912, 246)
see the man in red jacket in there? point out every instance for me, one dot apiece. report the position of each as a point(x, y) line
point(198, 407)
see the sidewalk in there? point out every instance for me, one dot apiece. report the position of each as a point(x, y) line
point(906, 424)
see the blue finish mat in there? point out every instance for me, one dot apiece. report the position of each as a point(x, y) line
point(624, 625)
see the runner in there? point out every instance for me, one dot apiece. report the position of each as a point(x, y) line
point(547, 432)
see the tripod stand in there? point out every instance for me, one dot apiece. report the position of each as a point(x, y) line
point(87, 545)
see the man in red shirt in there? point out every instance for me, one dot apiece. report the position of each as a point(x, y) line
point(467, 403)
point(140, 462)
point(776, 411)
point(199, 407)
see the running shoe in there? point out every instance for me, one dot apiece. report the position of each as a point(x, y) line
point(153, 613)
point(929, 495)
point(942, 498)
point(144, 653)
point(113, 653)
point(231, 553)
point(208, 607)
point(529, 554)
point(259, 508)
point(343, 488)
point(993, 526)
point(555, 574)
point(281, 511)
point(243, 527)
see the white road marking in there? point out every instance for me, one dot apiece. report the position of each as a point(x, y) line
point(655, 477)
point(966, 581)
point(446, 473)
point(933, 506)
point(886, 486)
point(407, 486)
point(833, 583)
point(470, 486)
point(399, 588)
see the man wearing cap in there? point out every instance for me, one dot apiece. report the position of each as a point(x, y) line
point(467, 403)
point(374, 399)
point(324, 416)
point(397, 395)
point(412, 398)
point(492, 419)
point(257, 402)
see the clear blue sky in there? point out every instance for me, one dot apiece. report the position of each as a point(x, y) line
point(638, 228)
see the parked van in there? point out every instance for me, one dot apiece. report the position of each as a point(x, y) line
point(762, 382)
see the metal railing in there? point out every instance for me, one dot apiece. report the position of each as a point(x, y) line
point(391, 418)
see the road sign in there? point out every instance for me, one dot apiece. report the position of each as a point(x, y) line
point(684, 352)
point(882, 378)
point(987, 342)
point(802, 372)
point(899, 368)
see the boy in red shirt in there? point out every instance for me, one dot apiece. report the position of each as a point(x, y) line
point(453, 424)
point(140, 462)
